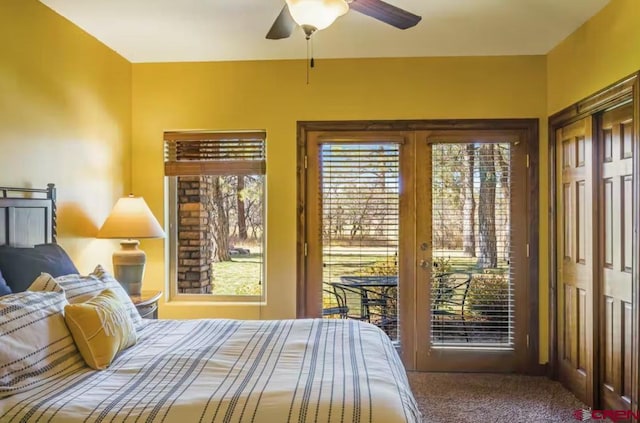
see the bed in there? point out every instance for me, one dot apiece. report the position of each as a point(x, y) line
point(209, 370)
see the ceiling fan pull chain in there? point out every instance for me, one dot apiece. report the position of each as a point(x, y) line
point(310, 61)
point(307, 61)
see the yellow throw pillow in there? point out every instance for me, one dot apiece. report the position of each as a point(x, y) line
point(101, 328)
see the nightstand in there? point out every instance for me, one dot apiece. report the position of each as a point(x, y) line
point(147, 303)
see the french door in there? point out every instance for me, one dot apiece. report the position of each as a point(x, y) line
point(353, 247)
point(471, 244)
point(425, 235)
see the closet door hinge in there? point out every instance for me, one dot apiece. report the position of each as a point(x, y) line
point(306, 249)
point(527, 249)
point(527, 341)
point(305, 161)
point(527, 161)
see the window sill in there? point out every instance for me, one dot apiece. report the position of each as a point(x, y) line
point(215, 302)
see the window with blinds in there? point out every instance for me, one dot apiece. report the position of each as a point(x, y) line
point(359, 186)
point(472, 292)
point(216, 183)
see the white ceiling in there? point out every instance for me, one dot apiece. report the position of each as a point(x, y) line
point(215, 30)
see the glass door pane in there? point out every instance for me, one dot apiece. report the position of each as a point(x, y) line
point(472, 293)
point(359, 186)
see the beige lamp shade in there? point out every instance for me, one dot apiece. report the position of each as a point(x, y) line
point(129, 219)
point(318, 14)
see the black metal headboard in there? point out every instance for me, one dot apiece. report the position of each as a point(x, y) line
point(27, 216)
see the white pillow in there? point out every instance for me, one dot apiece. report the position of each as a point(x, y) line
point(35, 343)
point(79, 289)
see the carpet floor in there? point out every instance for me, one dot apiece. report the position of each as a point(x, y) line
point(467, 397)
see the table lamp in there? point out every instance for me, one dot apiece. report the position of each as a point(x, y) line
point(130, 220)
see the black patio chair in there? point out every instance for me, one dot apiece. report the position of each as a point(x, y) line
point(337, 307)
point(449, 302)
point(379, 305)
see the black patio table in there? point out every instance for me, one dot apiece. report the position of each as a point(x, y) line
point(364, 286)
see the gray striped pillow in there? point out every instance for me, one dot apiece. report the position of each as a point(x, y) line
point(35, 343)
point(78, 289)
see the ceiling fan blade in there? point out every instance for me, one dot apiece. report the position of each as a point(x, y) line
point(283, 25)
point(386, 13)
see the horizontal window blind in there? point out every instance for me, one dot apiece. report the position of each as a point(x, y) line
point(471, 288)
point(214, 153)
point(360, 217)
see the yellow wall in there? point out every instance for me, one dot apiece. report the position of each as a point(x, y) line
point(65, 117)
point(602, 51)
point(273, 95)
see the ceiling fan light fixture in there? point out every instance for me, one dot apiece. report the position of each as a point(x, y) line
point(318, 14)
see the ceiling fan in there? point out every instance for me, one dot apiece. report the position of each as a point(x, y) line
point(314, 15)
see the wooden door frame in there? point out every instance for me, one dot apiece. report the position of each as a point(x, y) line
point(627, 89)
point(529, 131)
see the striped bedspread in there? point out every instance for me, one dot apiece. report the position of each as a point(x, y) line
point(187, 371)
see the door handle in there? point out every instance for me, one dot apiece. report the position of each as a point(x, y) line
point(425, 264)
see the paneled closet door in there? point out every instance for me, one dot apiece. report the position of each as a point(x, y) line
point(575, 257)
point(616, 230)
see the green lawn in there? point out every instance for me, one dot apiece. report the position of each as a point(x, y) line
point(240, 276)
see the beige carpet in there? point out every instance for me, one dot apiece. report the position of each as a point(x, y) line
point(466, 397)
